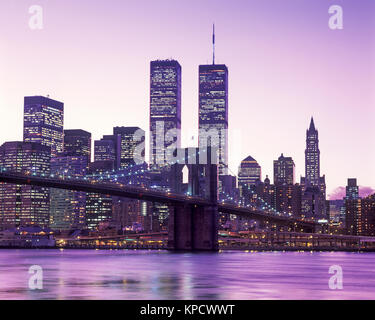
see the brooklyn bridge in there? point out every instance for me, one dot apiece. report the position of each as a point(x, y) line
point(193, 217)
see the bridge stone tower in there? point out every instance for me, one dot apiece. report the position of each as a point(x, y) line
point(194, 227)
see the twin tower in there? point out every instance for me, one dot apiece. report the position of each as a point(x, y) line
point(165, 110)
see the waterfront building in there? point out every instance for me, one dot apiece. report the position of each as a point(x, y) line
point(360, 216)
point(67, 207)
point(288, 199)
point(22, 205)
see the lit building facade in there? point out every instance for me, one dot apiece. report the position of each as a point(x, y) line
point(44, 122)
point(213, 111)
point(360, 215)
point(22, 205)
point(77, 143)
point(283, 170)
point(165, 110)
point(67, 206)
point(288, 199)
point(104, 208)
point(131, 146)
point(106, 149)
point(314, 204)
point(352, 190)
point(312, 156)
point(249, 173)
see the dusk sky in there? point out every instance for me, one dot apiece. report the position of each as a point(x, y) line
point(285, 65)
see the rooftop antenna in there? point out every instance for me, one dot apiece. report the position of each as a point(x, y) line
point(213, 44)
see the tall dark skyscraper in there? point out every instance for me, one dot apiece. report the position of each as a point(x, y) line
point(77, 143)
point(165, 109)
point(44, 122)
point(213, 111)
point(283, 170)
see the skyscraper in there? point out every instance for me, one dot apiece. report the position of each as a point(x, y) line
point(312, 156)
point(22, 205)
point(44, 122)
point(213, 111)
point(283, 170)
point(165, 110)
point(131, 139)
point(77, 143)
point(249, 173)
point(313, 185)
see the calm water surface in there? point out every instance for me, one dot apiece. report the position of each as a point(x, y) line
point(85, 274)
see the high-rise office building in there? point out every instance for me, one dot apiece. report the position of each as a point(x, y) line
point(77, 143)
point(98, 206)
point(213, 111)
point(337, 212)
point(312, 156)
point(287, 194)
point(283, 170)
point(352, 190)
point(249, 173)
point(165, 111)
point(360, 216)
point(22, 205)
point(106, 149)
point(44, 122)
point(67, 207)
point(368, 215)
point(313, 185)
point(130, 149)
point(288, 199)
point(268, 193)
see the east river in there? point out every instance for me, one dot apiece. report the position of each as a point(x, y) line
point(128, 274)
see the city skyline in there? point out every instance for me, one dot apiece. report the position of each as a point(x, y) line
point(334, 125)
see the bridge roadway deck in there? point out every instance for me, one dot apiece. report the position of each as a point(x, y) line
point(140, 193)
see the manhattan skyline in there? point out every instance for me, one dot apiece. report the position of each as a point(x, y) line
point(102, 85)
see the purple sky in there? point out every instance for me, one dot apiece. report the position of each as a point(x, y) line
point(285, 65)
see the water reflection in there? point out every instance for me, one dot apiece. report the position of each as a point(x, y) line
point(85, 274)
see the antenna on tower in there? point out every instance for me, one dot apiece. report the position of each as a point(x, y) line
point(213, 44)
